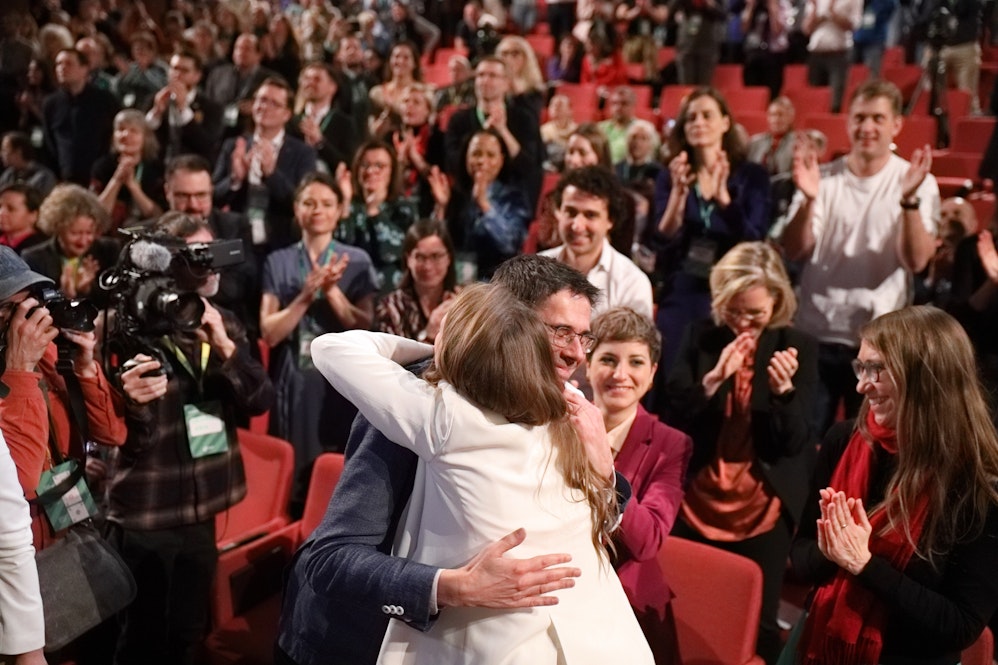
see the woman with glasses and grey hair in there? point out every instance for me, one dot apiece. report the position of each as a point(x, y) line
point(742, 387)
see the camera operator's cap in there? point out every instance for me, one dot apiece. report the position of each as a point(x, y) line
point(15, 275)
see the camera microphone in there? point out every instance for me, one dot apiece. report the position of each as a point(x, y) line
point(150, 257)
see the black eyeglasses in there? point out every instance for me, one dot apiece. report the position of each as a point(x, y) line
point(563, 337)
point(870, 370)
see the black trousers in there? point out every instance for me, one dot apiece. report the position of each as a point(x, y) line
point(173, 570)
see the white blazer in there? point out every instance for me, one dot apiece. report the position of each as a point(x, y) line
point(484, 477)
point(22, 625)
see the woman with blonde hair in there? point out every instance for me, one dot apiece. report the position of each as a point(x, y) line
point(129, 180)
point(526, 80)
point(741, 387)
point(491, 426)
point(75, 253)
point(900, 532)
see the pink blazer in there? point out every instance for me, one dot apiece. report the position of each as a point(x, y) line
point(653, 459)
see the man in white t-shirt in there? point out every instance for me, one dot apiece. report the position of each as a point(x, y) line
point(588, 201)
point(862, 225)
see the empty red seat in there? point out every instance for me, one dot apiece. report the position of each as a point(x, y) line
point(753, 98)
point(808, 99)
point(727, 76)
point(672, 97)
point(970, 134)
point(916, 132)
point(833, 126)
point(543, 45)
point(717, 603)
point(269, 466)
point(754, 122)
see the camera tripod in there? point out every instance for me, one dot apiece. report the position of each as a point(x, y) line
point(933, 78)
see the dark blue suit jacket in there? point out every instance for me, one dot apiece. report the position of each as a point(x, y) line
point(294, 161)
point(341, 589)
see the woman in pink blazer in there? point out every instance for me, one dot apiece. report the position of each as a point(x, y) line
point(652, 457)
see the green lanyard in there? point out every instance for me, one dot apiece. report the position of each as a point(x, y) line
point(304, 265)
point(182, 359)
point(706, 207)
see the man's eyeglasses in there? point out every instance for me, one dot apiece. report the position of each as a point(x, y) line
point(184, 197)
point(870, 370)
point(563, 337)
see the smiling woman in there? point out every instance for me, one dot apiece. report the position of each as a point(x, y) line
point(315, 286)
point(742, 386)
point(650, 455)
point(900, 533)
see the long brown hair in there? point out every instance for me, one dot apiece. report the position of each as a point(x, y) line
point(947, 445)
point(731, 142)
point(496, 352)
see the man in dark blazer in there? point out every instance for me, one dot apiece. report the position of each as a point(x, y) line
point(232, 84)
point(257, 174)
point(77, 119)
point(343, 586)
point(320, 123)
point(518, 129)
point(185, 120)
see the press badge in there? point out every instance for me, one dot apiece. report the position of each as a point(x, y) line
point(206, 433)
point(231, 115)
point(305, 338)
point(700, 258)
point(74, 506)
point(258, 226)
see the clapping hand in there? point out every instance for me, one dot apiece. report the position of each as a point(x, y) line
point(681, 175)
point(921, 163)
point(806, 175)
point(782, 367)
point(844, 531)
point(715, 186)
point(732, 358)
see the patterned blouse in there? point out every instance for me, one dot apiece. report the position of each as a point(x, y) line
point(380, 236)
point(399, 313)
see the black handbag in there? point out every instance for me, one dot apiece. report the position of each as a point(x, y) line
point(83, 582)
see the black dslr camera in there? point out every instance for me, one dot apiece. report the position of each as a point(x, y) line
point(67, 313)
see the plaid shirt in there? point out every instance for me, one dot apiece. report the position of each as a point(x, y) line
point(155, 482)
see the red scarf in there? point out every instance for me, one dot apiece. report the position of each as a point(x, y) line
point(846, 621)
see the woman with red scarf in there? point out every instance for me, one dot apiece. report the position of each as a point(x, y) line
point(901, 532)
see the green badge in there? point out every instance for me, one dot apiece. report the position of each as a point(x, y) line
point(206, 433)
point(74, 505)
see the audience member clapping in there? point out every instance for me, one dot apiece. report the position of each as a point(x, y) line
point(900, 529)
point(416, 309)
point(129, 180)
point(742, 386)
point(378, 215)
point(707, 201)
point(75, 253)
point(312, 287)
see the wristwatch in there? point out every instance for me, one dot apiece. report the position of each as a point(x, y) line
point(910, 203)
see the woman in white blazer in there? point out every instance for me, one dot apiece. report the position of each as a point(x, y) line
point(22, 626)
point(490, 424)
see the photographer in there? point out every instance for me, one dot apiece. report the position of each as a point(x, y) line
point(180, 465)
point(35, 407)
point(952, 28)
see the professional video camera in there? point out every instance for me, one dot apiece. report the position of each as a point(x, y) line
point(941, 25)
point(154, 292)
